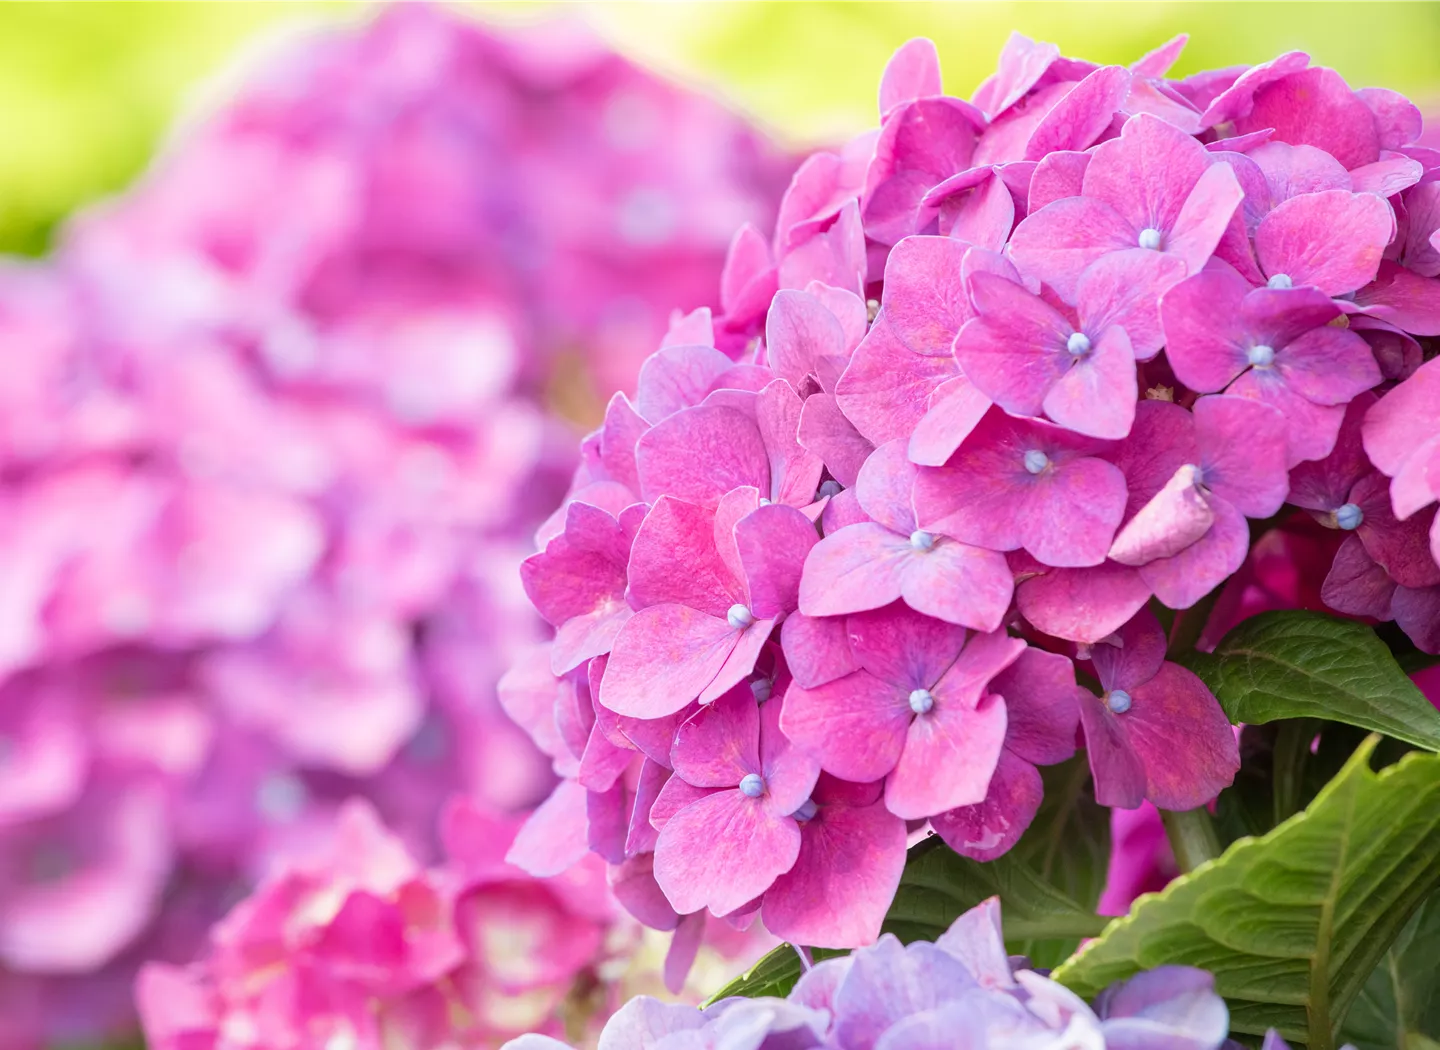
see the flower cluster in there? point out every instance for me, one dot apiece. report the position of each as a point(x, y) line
point(925, 996)
point(1012, 380)
point(272, 436)
point(356, 945)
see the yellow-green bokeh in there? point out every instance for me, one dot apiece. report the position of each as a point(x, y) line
point(87, 90)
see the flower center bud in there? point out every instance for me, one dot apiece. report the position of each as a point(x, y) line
point(761, 689)
point(872, 309)
point(1149, 238)
point(739, 617)
point(764, 502)
point(1349, 517)
point(1036, 461)
point(1078, 344)
point(1261, 356)
point(829, 488)
point(752, 785)
point(1280, 280)
point(921, 701)
point(1118, 700)
point(807, 810)
point(921, 540)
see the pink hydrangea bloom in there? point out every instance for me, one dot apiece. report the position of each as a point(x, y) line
point(1112, 324)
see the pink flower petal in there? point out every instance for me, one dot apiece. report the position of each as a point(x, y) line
point(1119, 774)
point(988, 829)
point(1057, 243)
point(773, 542)
point(723, 851)
point(912, 72)
point(1316, 107)
point(855, 726)
point(721, 744)
point(817, 649)
point(825, 431)
point(956, 406)
point(1182, 737)
point(1083, 115)
point(1182, 580)
point(554, 838)
point(1333, 240)
point(1015, 350)
point(884, 389)
point(1096, 397)
point(904, 647)
point(926, 301)
point(1176, 517)
point(799, 332)
point(950, 754)
point(958, 583)
point(857, 568)
point(664, 657)
point(1082, 605)
point(674, 560)
point(1242, 448)
point(1040, 701)
point(1124, 288)
point(1057, 176)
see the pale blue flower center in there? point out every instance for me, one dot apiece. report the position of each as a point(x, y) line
point(760, 689)
point(1150, 238)
point(1078, 344)
point(281, 797)
point(1349, 517)
point(1261, 356)
point(921, 701)
point(1036, 461)
point(829, 488)
point(921, 540)
point(807, 810)
point(739, 617)
point(1280, 280)
point(764, 502)
point(752, 785)
point(1118, 700)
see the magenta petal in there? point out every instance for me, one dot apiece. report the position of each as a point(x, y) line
point(1147, 174)
point(554, 838)
point(1119, 773)
point(640, 834)
point(720, 744)
point(1333, 240)
point(1182, 737)
point(674, 795)
point(884, 389)
point(1056, 177)
point(988, 829)
point(1242, 445)
point(700, 454)
point(857, 568)
point(854, 725)
point(949, 756)
point(1071, 517)
point(1124, 288)
point(925, 298)
point(884, 487)
point(1405, 299)
point(1204, 217)
point(677, 377)
point(826, 432)
point(1057, 243)
point(723, 851)
point(1040, 692)
point(790, 771)
point(956, 407)
point(1356, 585)
point(674, 559)
point(1015, 351)
point(958, 583)
point(1310, 428)
point(1238, 98)
point(1401, 422)
point(1083, 115)
point(1022, 63)
point(841, 886)
point(1082, 605)
point(817, 649)
point(980, 212)
point(741, 661)
point(773, 542)
point(904, 648)
point(1097, 396)
point(799, 330)
point(664, 657)
point(1206, 340)
point(1134, 656)
point(1182, 580)
point(1417, 613)
point(1177, 516)
point(1316, 107)
point(912, 72)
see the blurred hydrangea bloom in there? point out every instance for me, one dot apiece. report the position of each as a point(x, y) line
point(1008, 376)
point(277, 425)
point(961, 991)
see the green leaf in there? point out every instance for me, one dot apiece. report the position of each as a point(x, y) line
point(1298, 664)
point(1293, 924)
point(1399, 1007)
point(1068, 843)
point(937, 887)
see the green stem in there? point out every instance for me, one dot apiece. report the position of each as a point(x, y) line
point(1292, 749)
point(1190, 623)
point(1192, 836)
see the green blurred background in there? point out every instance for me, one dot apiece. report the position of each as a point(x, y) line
point(87, 91)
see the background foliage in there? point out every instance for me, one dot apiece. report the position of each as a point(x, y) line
point(87, 90)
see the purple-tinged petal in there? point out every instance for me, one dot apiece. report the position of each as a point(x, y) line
point(1022, 63)
point(790, 771)
point(1292, 170)
point(1119, 774)
point(1417, 613)
point(886, 385)
point(1397, 120)
point(1333, 240)
point(740, 662)
point(720, 744)
point(1134, 656)
point(1177, 516)
point(1040, 693)
point(1206, 214)
point(1400, 547)
point(860, 567)
point(1182, 738)
point(1405, 299)
point(1356, 585)
point(640, 835)
point(855, 726)
point(606, 813)
point(884, 488)
point(904, 648)
point(844, 880)
point(1059, 175)
point(826, 432)
point(1183, 579)
point(1124, 288)
point(677, 377)
point(773, 542)
point(1071, 516)
point(912, 72)
point(674, 560)
point(1082, 605)
point(920, 144)
point(1147, 174)
point(887, 983)
point(1206, 337)
point(1015, 350)
point(926, 301)
point(664, 657)
point(956, 406)
point(1083, 115)
point(988, 829)
point(799, 332)
point(1324, 485)
point(1403, 420)
point(958, 583)
point(1237, 98)
point(644, 1022)
point(950, 754)
point(817, 649)
point(1160, 443)
point(1057, 243)
point(1242, 452)
point(1328, 366)
point(1316, 107)
point(680, 956)
point(554, 838)
point(723, 851)
point(1096, 397)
